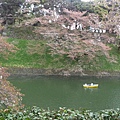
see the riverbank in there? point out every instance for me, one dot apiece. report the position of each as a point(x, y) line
point(59, 72)
point(33, 58)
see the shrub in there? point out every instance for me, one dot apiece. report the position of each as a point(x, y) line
point(35, 113)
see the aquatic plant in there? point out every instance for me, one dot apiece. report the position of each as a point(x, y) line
point(36, 113)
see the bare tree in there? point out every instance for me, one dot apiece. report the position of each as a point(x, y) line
point(8, 9)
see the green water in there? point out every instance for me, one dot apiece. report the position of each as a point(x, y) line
point(56, 91)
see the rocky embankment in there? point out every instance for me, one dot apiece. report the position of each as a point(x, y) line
point(60, 72)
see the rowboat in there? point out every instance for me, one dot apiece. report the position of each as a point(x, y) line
point(90, 85)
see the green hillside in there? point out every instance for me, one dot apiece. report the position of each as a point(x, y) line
point(36, 54)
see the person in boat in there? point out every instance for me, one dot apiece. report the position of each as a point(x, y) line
point(91, 84)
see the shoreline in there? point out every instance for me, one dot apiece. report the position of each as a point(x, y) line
point(60, 72)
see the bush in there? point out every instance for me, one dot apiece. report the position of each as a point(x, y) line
point(35, 113)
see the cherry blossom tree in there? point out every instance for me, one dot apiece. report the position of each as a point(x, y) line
point(9, 95)
point(76, 49)
point(110, 12)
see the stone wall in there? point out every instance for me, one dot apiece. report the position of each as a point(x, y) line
point(61, 72)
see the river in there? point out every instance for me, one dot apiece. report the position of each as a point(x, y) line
point(58, 91)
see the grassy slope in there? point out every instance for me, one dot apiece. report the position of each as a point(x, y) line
point(26, 56)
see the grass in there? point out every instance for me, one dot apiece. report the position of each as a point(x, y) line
point(112, 64)
point(35, 54)
point(32, 54)
point(101, 63)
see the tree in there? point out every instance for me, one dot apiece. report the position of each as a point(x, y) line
point(110, 15)
point(51, 3)
point(76, 49)
point(8, 9)
point(5, 48)
point(9, 95)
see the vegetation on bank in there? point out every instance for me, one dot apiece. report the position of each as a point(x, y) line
point(33, 54)
point(35, 113)
point(36, 54)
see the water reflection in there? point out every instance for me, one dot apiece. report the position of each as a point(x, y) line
point(91, 89)
point(56, 91)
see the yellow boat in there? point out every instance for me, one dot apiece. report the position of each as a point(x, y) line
point(90, 85)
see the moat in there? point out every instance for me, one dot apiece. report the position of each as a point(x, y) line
point(57, 91)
